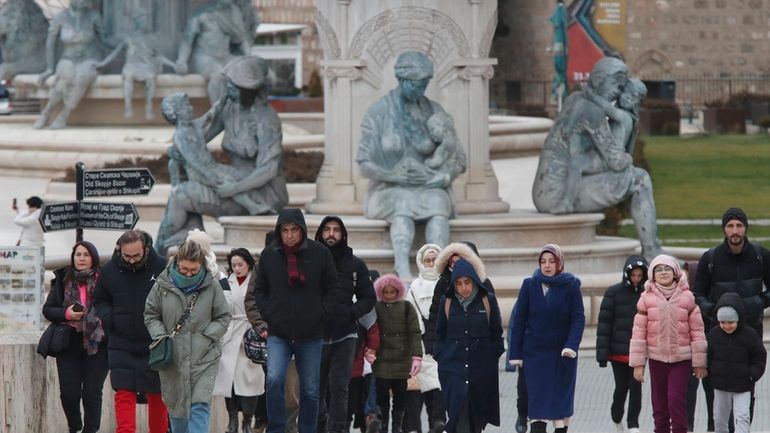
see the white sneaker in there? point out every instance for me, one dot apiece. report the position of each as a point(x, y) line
point(633, 430)
point(619, 428)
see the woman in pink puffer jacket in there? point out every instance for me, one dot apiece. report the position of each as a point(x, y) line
point(668, 329)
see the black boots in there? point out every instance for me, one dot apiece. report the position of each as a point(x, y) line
point(232, 423)
point(398, 421)
point(537, 427)
point(246, 424)
point(561, 430)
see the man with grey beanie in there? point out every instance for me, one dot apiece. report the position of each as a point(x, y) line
point(738, 266)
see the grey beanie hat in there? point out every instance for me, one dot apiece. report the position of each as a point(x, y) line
point(727, 314)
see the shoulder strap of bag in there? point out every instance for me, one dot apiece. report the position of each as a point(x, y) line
point(484, 300)
point(185, 314)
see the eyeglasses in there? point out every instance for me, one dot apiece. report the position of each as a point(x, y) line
point(132, 258)
point(659, 269)
point(189, 272)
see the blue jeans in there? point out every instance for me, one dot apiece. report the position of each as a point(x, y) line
point(307, 355)
point(198, 422)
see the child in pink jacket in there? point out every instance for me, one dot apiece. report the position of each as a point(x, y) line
point(668, 329)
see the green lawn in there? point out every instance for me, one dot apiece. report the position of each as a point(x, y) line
point(700, 177)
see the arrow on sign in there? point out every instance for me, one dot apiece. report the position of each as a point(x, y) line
point(108, 216)
point(119, 181)
point(60, 216)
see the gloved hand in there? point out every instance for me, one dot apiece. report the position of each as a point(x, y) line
point(370, 356)
point(602, 364)
point(416, 365)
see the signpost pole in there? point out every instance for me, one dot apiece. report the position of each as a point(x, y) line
point(79, 168)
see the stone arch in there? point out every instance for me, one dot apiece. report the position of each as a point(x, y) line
point(394, 31)
point(652, 63)
point(327, 36)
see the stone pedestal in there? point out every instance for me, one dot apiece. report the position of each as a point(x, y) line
point(361, 41)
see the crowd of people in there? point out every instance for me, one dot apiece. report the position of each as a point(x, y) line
point(345, 345)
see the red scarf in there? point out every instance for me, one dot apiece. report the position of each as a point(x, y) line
point(295, 274)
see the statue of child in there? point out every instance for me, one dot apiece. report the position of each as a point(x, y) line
point(442, 131)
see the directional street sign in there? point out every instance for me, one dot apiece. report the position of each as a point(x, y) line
point(108, 216)
point(119, 181)
point(60, 216)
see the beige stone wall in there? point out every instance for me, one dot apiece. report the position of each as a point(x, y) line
point(666, 38)
point(295, 12)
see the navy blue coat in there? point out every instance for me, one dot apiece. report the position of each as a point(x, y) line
point(544, 325)
point(467, 350)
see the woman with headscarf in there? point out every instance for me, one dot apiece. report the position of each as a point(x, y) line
point(82, 366)
point(548, 324)
point(668, 330)
point(187, 287)
point(469, 342)
point(421, 295)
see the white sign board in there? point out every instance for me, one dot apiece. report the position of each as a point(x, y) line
point(21, 288)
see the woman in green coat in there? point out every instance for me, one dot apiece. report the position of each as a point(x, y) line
point(187, 384)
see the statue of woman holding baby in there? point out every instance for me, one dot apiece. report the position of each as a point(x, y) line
point(410, 153)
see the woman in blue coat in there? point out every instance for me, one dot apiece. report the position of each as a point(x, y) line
point(547, 328)
point(469, 341)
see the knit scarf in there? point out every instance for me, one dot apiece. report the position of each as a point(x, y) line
point(90, 325)
point(667, 291)
point(295, 273)
point(184, 283)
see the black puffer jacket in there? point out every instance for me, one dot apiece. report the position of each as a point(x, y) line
point(352, 279)
point(293, 312)
point(616, 315)
point(737, 360)
point(119, 299)
point(720, 271)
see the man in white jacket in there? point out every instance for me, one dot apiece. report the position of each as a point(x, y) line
point(31, 230)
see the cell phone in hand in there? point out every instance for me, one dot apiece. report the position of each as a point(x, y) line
point(78, 307)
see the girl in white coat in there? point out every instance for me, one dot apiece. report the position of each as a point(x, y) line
point(421, 296)
point(239, 380)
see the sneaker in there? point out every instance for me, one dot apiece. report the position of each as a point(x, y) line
point(619, 428)
point(633, 430)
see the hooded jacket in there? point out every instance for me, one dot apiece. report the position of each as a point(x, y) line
point(399, 332)
point(469, 342)
point(617, 311)
point(737, 360)
point(292, 312)
point(468, 252)
point(352, 281)
point(667, 330)
point(119, 299)
point(720, 271)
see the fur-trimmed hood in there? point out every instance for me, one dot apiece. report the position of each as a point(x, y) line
point(390, 280)
point(430, 274)
point(465, 252)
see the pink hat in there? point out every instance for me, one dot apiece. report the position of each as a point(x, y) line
point(389, 280)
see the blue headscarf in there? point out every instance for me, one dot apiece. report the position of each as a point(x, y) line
point(462, 268)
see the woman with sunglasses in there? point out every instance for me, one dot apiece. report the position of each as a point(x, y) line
point(187, 384)
point(668, 330)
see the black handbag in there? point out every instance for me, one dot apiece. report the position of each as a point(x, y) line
point(54, 340)
point(255, 347)
point(162, 349)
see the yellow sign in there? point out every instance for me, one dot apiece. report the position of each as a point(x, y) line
point(609, 20)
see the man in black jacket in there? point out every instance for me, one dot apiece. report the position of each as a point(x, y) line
point(119, 298)
point(340, 333)
point(294, 293)
point(736, 265)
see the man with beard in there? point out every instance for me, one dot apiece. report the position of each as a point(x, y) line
point(341, 332)
point(736, 265)
point(119, 298)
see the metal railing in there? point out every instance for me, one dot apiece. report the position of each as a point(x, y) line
point(692, 92)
